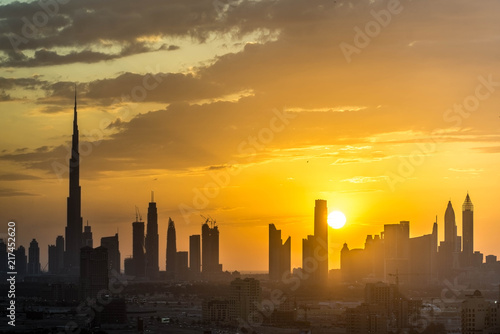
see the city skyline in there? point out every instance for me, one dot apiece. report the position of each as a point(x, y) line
point(454, 251)
point(247, 113)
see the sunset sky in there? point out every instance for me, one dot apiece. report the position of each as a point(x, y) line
point(248, 111)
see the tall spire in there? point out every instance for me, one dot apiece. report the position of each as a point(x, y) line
point(75, 118)
point(467, 206)
point(74, 238)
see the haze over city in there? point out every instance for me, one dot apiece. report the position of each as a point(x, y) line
point(248, 113)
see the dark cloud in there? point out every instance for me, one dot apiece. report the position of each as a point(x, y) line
point(26, 26)
point(169, 47)
point(4, 97)
point(159, 87)
point(48, 58)
point(13, 193)
point(25, 83)
point(116, 124)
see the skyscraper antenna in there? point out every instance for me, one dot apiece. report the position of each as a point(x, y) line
point(152, 196)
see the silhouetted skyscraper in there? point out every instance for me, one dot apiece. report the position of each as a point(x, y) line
point(53, 268)
point(87, 236)
point(93, 271)
point(152, 270)
point(128, 266)
point(74, 217)
point(34, 258)
point(396, 249)
point(113, 247)
point(309, 263)
point(245, 297)
point(450, 227)
point(468, 231)
point(171, 248)
point(138, 248)
point(21, 261)
point(449, 249)
point(60, 253)
point(279, 254)
point(195, 254)
point(181, 265)
point(321, 240)
point(210, 248)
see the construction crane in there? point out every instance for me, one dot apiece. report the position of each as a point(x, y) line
point(397, 274)
point(209, 220)
point(138, 217)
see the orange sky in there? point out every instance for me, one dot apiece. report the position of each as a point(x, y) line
point(259, 105)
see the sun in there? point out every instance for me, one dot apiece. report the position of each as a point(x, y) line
point(336, 219)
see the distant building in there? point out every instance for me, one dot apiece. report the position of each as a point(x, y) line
point(113, 247)
point(279, 255)
point(93, 271)
point(321, 240)
point(34, 258)
point(152, 269)
point(423, 260)
point(114, 312)
point(308, 260)
point(171, 249)
point(210, 248)
point(138, 249)
point(216, 310)
point(366, 319)
point(129, 266)
point(181, 266)
point(393, 254)
point(284, 313)
point(53, 268)
point(60, 253)
point(382, 295)
point(56, 256)
point(384, 308)
point(315, 247)
point(479, 315)
point(245, 298)
point(397, 249)
point(21, 261)
point(195, 254)
point(449, 249)
point(467, 232)
point(87, 236)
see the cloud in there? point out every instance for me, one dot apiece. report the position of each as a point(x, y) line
point(472, 171)
point(17, 177)
point(364, 179)
point(132, 87)
point(488, 149)
point(6, 192)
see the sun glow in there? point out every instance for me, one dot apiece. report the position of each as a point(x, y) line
point(336, 219)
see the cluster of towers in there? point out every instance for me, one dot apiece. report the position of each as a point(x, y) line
point(314, 250)
point(393, 255)
point(457, 252)
point(180, 265)
point(73, 255)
